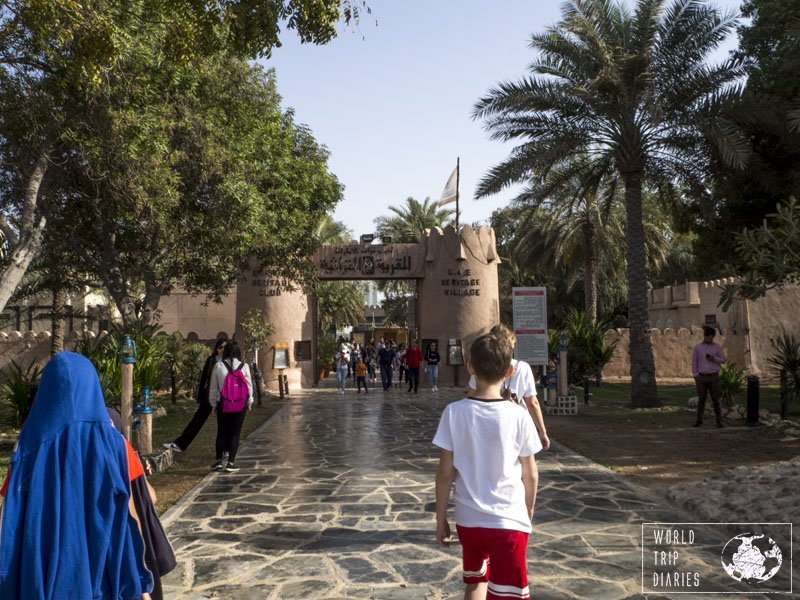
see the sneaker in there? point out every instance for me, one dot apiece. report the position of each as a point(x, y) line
point(217, 466)
point(231, 468)
point(172, 446)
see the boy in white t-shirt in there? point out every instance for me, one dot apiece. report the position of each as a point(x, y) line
point(520, 387)
point(488, 446)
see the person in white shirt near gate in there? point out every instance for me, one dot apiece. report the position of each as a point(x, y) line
point(520, 387)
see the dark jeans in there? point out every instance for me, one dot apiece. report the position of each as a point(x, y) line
point(195, 425)
point(362, 381)
point(386, 376)
point(706, 384)
point(413, 378)
point(401, 369)
point(229, 428)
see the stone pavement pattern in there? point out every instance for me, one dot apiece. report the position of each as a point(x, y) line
point(335, 500)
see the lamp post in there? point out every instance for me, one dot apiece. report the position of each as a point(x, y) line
point(256, 373)
point(144, 423)
point(128, 359)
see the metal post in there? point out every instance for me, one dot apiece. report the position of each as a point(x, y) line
point(280, 383)
point(126, 400)
point(563, 384)
point(753, 383)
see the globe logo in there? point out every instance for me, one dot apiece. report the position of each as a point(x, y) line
point(751, 558)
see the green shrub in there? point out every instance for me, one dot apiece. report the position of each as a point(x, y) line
point(193, 358)
point(15, 392)
point(786, 363)
point(731, 380)
point(326, 350)
point(151, 365)
point(587, 350)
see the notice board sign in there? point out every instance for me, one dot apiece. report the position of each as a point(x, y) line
point(281, 358)
point(455, 353)
point(529, 305)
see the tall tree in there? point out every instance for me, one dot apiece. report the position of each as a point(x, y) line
point(339, 302)
point(407, 225)
point(56, 52)
point(633, 89)
point(177, 180)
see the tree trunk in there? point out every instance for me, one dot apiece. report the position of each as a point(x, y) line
point(27, 242)
point(152, 296)
point(590, 270)
point(644, 392)
point(57, 320)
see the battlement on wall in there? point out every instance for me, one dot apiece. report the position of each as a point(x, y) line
point(688, 293)
point(467, 243)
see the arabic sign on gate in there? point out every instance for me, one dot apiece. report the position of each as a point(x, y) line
point(529, 305)
point(368, 261)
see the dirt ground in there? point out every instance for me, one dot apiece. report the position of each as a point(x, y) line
point(660, 449)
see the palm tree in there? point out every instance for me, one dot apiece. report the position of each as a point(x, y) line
point(573, 221)
point(339, 302)
point(409, 222)
point(631, 90)
point(407, 226)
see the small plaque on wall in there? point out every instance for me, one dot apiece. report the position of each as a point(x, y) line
point(302, 350)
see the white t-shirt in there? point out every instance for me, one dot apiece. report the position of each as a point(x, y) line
point(521, 383)
point(487, 439)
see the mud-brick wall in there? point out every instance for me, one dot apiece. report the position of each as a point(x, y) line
point(672, 351)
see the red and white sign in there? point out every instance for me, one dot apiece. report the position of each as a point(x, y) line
point(529, 306)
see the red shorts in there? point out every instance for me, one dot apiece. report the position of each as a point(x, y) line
point(505, 550)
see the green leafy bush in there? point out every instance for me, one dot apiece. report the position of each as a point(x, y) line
point(587, 350)
point(151, 365)
point(732, 381)
point(326, 350)
point(15, 392)
point(786, 363)
point(193, 358)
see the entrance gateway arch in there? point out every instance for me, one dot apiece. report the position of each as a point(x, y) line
point(458, 294)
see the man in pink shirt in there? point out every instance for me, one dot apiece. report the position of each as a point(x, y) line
point(706, 360)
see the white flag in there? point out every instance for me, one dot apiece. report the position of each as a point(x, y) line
point(450, 190)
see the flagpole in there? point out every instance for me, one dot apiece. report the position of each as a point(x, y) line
point(458, 175)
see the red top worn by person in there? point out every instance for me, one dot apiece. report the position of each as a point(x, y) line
point(413, 357)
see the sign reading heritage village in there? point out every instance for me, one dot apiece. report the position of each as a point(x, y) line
point(369, 261)
point(529, 305)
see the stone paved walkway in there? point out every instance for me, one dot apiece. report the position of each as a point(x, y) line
point(335, 500)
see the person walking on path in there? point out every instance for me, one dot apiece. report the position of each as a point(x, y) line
point(520, 387)
point(385, 360)
point(342, 361)
point(413, 361)
point(67, 531)
point(229, 422)
point(707, 356)
point(372, 361)
point(400, 364)
point(204, 409)
point(432, 359)
point(361, 375)
point(487, 449)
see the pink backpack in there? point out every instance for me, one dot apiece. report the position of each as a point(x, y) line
point(234, 393)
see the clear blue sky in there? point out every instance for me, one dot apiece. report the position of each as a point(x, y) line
point(391, 99)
